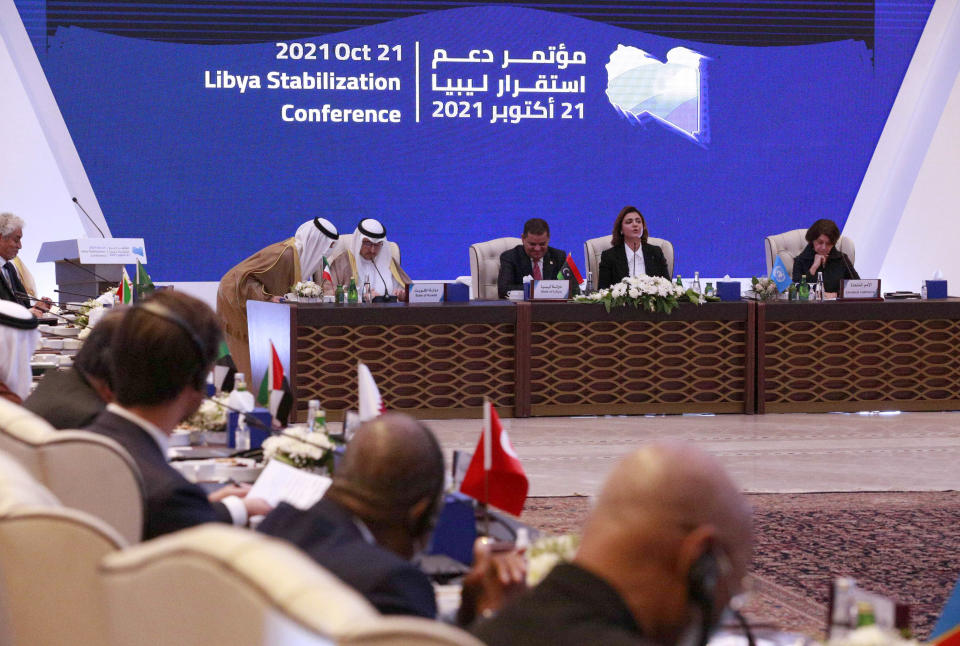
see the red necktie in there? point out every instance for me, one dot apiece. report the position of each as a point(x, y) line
point(536, 271)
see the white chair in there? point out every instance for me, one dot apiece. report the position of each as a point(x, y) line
point(50, 587)
point(485, 266)
point(593, 247)
point(401, 631)
point(217, 584)
point(86, 471)
point(789, 244)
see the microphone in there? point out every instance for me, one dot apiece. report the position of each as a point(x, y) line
point(92, 221)
point(83, 296)
point(90, 271)
point(386, 298)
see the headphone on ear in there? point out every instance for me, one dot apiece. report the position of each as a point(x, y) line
point(162, 311)
point(702, 583)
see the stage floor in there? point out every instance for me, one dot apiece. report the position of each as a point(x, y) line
point(788, 453)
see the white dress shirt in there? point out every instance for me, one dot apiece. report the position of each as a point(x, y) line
point(635, 263)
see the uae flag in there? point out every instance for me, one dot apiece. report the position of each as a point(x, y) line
point(275, 389)
point(495, 475)
point(126, 289)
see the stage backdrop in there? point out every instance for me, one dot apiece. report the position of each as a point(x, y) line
point(212, 129)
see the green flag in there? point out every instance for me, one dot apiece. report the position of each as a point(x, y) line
point(144, 284)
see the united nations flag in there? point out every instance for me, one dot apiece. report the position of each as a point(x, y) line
point(780, 276)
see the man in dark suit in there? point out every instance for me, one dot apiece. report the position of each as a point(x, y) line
point(12, 287)
point(162, 351)
point(533, 258)
point(379, 513)
point(663, 552)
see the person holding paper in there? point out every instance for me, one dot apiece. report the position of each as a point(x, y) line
point(379, 512)
point(534, 257)
point(629, 254)
point(162, 352)
point(267, 276)
point(367, 259)
point(16, 283)
point(820, 254)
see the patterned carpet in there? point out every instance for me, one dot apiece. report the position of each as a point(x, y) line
point(906, 545)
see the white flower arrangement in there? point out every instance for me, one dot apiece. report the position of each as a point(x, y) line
point(300, 448)
point(872, 636)
point(307, 289)
point(211, 416)
point(83, 312)
point(650, 293)
point(765, 289)
point(546, 552)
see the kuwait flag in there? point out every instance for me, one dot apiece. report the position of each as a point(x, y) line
point(495, 475)
point(275, 390)
point(126, 289)
point(326, 276)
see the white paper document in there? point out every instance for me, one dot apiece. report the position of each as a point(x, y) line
point(281, 482)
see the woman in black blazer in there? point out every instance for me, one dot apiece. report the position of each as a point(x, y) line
point(630, 233)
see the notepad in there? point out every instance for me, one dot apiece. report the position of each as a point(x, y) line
point(281, 482)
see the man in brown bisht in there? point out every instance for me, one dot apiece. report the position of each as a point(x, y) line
point(266, 276)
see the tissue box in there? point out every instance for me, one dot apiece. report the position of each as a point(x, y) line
point(456, 292)
point(257, 434)
point(728, 290)
point(936, 289)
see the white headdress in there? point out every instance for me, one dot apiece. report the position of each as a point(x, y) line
point(18, 340)
point(374, 231)
point(314, 239)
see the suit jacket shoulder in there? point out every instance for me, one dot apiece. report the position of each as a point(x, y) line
point(172, 503)
point(65, 400)
point(329, 534)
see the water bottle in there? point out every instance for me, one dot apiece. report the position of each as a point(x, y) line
point(320, 421)
point(679, 281)
point(312, 407)
point(923, 291)
point(588, 287)
point(367, 292)
point(696, 283)
point(352, 296)
point(338, 295)
point(820, 286)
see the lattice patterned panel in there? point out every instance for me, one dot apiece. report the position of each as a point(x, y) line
point(858, 362)
point(433, 367)
point(637, 366)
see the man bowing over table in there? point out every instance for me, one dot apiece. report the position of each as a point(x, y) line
point(266, 276)
point(367, 259)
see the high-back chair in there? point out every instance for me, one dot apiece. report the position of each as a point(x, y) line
point(84, 470)
point(218, 584)
point(789, 244)
point(395, 630)
point(593, 247)
point(50, 587)
point(485, 266)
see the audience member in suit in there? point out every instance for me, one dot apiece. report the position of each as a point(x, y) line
point(15, 283)
point(379, 513)
point(162, 350)
point(630, 255)
point(74, 397)
point(820, 254)
point(521, 260)
point(663, 552)
point(18, 340)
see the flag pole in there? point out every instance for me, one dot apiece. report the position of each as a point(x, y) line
point(487, 464)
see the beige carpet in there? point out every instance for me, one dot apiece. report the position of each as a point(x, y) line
point(793, 453)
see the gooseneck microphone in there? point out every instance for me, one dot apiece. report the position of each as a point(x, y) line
point(92, 221)
point(386, 298)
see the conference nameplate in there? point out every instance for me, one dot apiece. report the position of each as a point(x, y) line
point(425, 293)
point(860, 289)
point(111, 251)
point(550, 290)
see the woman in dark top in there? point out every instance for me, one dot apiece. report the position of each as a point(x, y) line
point(630, 254)
point(821, 255)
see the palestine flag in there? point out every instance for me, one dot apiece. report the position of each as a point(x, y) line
point(224, 369)
point(275, 389)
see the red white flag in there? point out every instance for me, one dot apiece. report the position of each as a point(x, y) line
point(326, 276)
point(371, 403)
point(495, 475)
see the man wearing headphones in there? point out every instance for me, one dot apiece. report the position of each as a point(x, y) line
point(379, 513)
point(162, 351)
point(663, 552)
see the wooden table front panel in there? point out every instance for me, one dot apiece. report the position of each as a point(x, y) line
point(430, 362)
point(584, 360)
point(859, 356)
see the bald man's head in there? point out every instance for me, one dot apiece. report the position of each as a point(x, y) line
point(391, 466)
point(663, 509)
